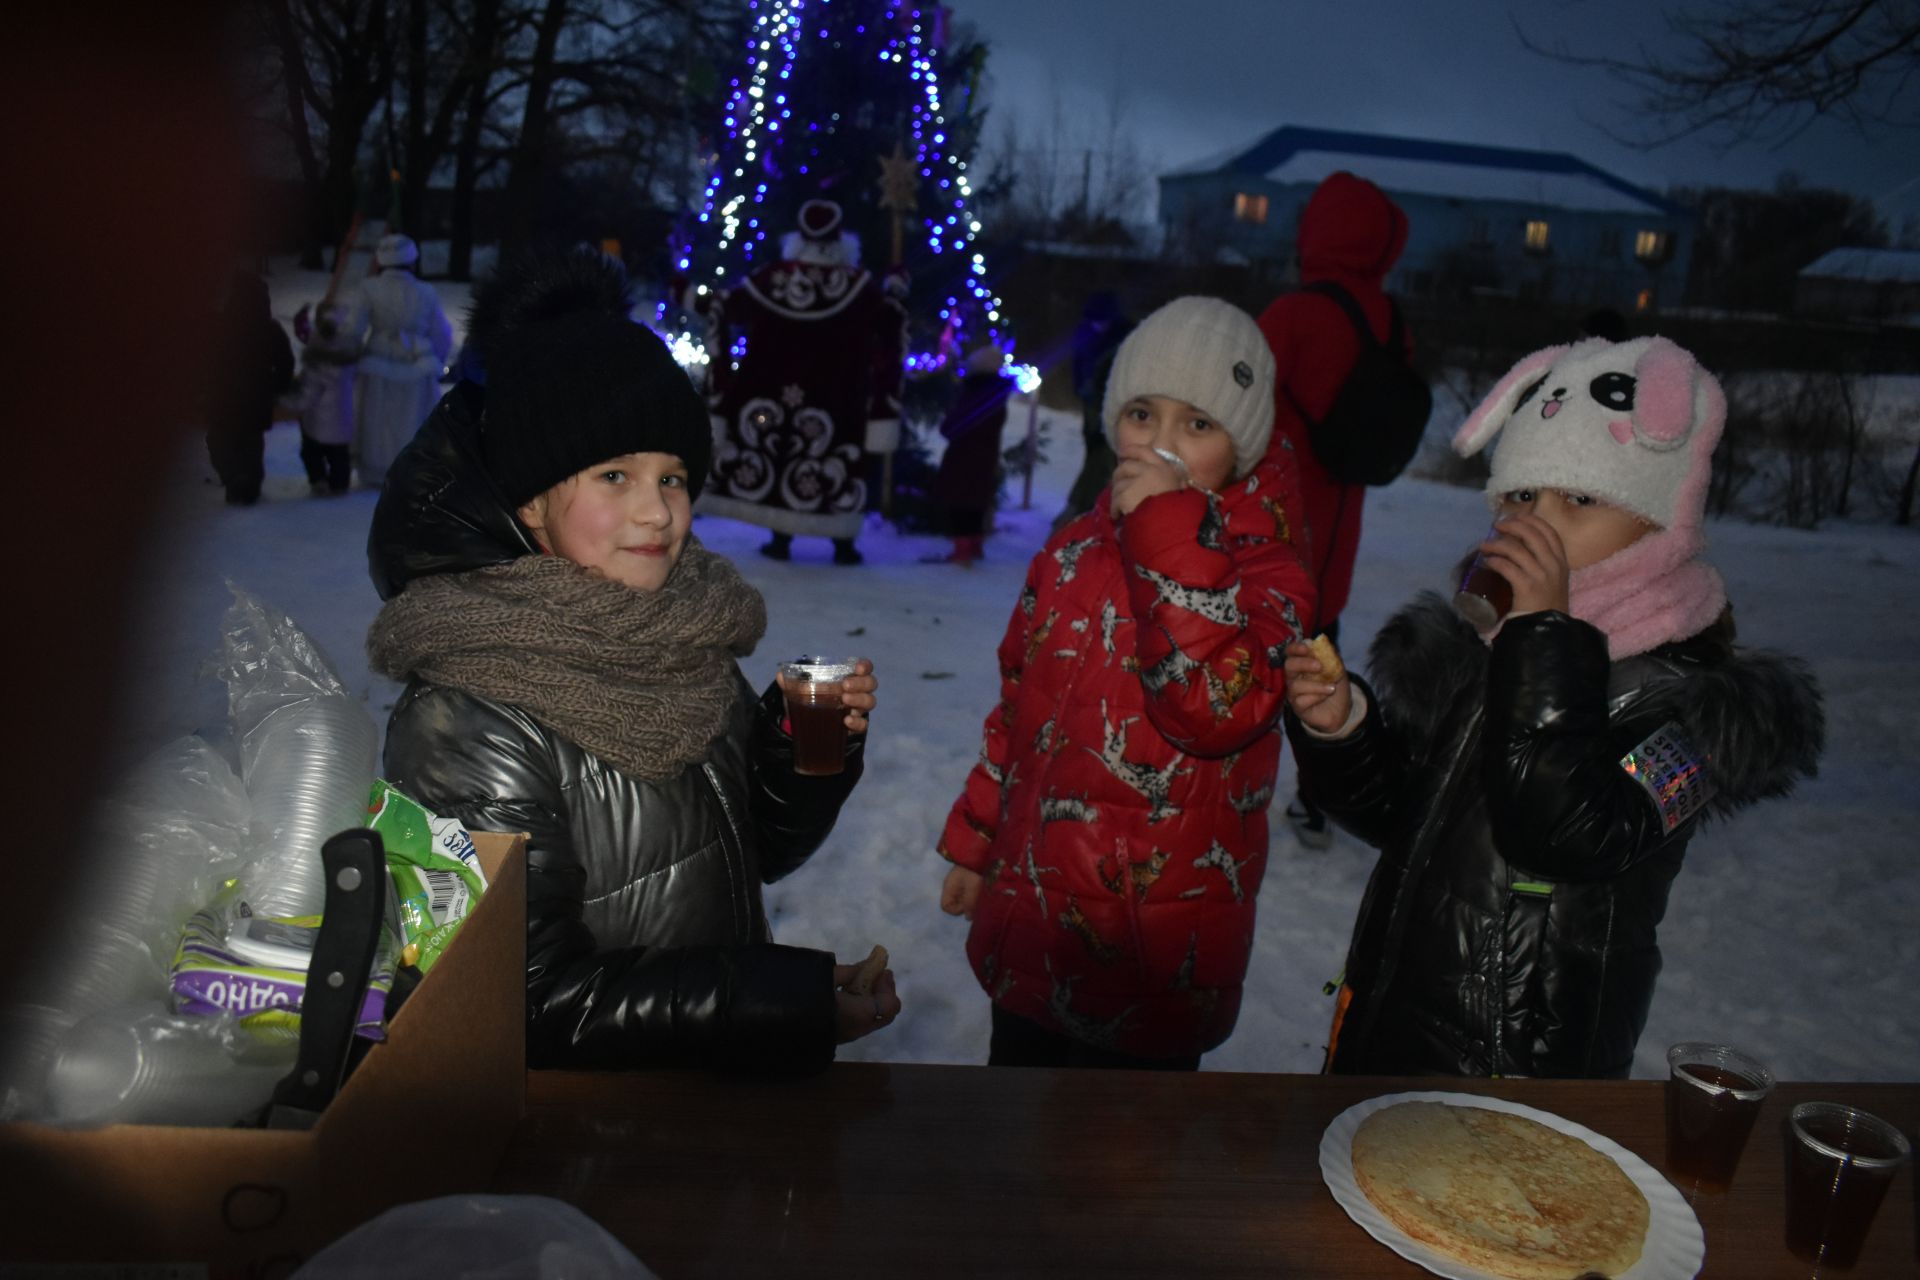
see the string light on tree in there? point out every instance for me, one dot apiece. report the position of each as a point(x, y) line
point(821, 56)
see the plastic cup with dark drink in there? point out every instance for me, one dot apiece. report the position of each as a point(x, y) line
point(1713, 1096)
point(1840, 1161)
point(1484, 597)
point(813, 707)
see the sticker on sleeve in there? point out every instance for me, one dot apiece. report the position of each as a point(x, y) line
point(1672, 773)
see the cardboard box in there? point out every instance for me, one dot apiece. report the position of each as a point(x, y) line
point(427, 1113)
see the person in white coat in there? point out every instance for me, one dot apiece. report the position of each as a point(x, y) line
point(329, 371)
point(408, 341)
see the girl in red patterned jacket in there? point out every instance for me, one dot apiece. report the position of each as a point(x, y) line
point(1110, 843)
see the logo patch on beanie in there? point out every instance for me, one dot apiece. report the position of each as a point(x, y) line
point(1243, 373)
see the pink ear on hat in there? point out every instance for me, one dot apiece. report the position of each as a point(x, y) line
point(1484, 422)
point(1663, 395)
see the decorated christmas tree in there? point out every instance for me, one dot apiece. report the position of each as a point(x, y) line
point(869, 104)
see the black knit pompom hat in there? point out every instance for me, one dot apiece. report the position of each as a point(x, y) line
point(575, 382)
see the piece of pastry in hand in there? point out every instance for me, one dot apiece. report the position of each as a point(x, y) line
point(1331, 668)
point(869, 972)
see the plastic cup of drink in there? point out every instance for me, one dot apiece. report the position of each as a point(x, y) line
point(814, 709)
point(1714, 1093)
point(1173, 460)
point(1484, 597)
point(1840, 1161)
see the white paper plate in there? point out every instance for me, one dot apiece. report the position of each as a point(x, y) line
point(1675, 1246)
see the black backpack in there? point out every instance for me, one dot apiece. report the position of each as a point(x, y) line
point(1379, 415)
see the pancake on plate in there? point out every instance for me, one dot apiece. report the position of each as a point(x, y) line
point(1500, 1192)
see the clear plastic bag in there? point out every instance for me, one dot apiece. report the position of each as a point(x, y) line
point(478, 1238)
point(152, 850)
point(138, 1065)
point(307, 749)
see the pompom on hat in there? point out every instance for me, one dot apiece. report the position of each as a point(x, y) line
point(572, 381)
point(1210, 354)
point(395, 250)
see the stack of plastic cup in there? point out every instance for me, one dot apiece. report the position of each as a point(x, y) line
point(29, 1036)
point(131, 1066)
point(106, 965)
point(308, 768)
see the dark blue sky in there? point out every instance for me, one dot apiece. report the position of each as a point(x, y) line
point(1199, 76)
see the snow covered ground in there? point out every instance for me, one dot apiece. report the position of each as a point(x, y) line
point(1792, 930)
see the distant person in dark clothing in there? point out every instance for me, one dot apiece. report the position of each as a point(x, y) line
point(970, 469)
point(1101, 330)
point(255, 366)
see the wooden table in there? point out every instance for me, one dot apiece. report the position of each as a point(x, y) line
point(927, 1171)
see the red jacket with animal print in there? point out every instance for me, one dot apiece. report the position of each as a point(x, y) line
point(1119, 808)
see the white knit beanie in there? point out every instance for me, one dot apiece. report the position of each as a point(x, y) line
point(1209, 353)
point(1631, 423)
point(396, 250)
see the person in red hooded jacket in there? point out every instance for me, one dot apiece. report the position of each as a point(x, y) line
point(1351, 234)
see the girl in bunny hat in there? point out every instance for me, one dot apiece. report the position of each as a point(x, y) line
point(1532, 787)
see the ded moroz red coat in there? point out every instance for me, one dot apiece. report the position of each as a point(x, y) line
point(1350, 234)
point(816, 390)
point(1119, 807)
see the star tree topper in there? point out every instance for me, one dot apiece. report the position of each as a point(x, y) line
point(899, 192)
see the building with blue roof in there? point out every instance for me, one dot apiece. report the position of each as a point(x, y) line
point(1541, 225)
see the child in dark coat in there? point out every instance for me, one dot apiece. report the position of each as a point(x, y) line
point(572, 658)
point(969, 474)
point(1533, 788)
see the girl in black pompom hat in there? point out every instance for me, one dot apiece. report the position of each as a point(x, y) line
point(571, 654)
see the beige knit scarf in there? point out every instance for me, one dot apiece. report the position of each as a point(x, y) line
point(643, 679)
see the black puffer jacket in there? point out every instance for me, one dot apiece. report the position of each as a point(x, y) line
point(646, 940)
point(1509, 926)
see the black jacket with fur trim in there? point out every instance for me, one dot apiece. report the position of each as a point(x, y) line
point(1532, 803)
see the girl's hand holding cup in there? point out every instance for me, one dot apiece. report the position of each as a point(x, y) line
point(1528, 553)
point(857, 694)
point(1143, 472)
point(1321, 705)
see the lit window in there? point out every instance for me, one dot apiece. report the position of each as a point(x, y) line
point(1249, 208)
point(1644, 301)
point(1651, 246)
point(1536, 237)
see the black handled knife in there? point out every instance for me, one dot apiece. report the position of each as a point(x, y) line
point(356, 870)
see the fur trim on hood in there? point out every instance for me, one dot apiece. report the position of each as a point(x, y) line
point(1757, 714)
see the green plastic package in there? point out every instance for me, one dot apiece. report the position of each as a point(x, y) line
point(436, 873)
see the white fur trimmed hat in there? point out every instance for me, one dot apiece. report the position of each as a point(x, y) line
point(1209, 353)
point(396, 250)
point(1631, 423)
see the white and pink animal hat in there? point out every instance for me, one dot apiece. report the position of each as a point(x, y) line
point(1634, 424)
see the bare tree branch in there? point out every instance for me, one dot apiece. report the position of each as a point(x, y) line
point(1766, 71)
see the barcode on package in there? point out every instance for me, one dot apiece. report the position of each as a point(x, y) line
point(446, 895)
point(1672, 773)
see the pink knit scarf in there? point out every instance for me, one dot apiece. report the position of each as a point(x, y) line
point(1656, 591)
